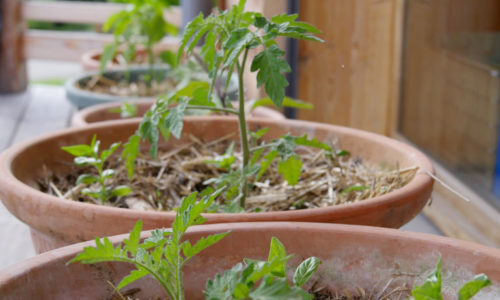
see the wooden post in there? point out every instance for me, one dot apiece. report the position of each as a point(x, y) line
point(13, 76)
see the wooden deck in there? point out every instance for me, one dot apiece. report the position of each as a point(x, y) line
point(40, 110)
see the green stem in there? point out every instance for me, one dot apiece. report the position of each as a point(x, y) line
point(243, 130)
point(263, 147)
point(227, 110)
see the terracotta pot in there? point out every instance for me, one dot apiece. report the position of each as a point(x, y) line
point(82, 98)
point(102, 112)
point(90, 60)
point(55, 222)
point(353, 257)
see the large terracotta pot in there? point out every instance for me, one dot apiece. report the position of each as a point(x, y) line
point(55, 222)
point(353, 257)
point(103, 112)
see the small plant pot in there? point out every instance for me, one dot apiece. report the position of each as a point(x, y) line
point(90, 60)
point(104, 113)
point(82, 98)
point(55, 222)
point(353, 258)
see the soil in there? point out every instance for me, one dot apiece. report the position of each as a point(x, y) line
point(125, 88)
point(161, 184)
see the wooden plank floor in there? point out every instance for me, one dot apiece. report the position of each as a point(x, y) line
point(40, 110)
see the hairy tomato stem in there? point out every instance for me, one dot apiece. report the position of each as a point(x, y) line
point(243, 130)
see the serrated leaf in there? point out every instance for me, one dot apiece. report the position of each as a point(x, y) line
point(278, 289)
point(78, 150)
point(132, 277)
point(304, 141)
point(270, 66)
point(121, 190)
point(132, 242)
point(86, 178)
point(471, 288)
point(174, 121)
point(205, 242)
point(290, 169)
point(431, 288)
point(189, 31)
point(237, 41)
point(264, 165)
point(285, 146)
point(277, 251)
point(305, 270)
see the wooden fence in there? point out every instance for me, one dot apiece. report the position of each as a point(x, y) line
point(48, 44)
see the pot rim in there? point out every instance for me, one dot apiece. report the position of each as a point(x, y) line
point(9, 181)
point(12, 272)
point(80, 117)
point(71, 88)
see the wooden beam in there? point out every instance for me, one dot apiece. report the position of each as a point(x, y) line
point(83, 12)
point(69, 46)
point(353, 78)
point(13, 76)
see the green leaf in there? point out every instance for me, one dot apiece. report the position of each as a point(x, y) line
point(133, 276)
point(78, 150)
point(83, 161)
point(355, 188)
point(107, 153)
point(277, 251)
point(286, 146)
point(241, 291)
point(264, 165)
point(260, 22)
point(108, 53)
point(305, 270)
point(287, 102)
point(126, 110)
point(278, 289)
point(290, 169)
point(304, 141)
point(205, 242)
point(237, 41)
point(431, 288)
point(208, 50)
point(189, 89)
point(270, 66)
point(108, 173)
point(471, 288)
point(121, 190)
point(130, 152)
point(132, 243)
point(189, 31)
point(86, 178)
point(169, 57)
point(173, 121)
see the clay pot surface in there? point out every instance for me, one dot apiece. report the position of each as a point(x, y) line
point(90, 60)
point(55, 222)
point(352, 257)
point(102, 113)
